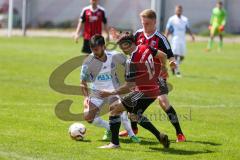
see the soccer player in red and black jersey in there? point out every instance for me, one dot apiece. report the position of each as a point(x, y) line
point(149, 35)
point(142, 88)
point(91, 19)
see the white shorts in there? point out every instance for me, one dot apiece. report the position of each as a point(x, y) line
point(99, 102)
point(179, 48)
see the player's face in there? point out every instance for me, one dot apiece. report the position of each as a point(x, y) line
point(126, 48)
point(98, 51)
point(219, 5)
point(94, 2)
point(149, 25)
point(178, 11)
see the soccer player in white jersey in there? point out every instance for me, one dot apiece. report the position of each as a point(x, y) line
point(99, 69)
point(178, 25)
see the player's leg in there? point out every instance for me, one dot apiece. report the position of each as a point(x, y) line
point(127, 125)
point(86, 47)
point(137, 103)
point(220, 45)
point(213, 31)
point(169, 110)
point(91, 110)
point(177, 70)
point(116, 108)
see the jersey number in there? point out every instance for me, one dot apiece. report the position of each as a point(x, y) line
point(150, 66)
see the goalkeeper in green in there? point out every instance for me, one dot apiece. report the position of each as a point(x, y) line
point(217, 24)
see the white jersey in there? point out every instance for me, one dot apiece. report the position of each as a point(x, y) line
point(178, 27)
point(102, 75)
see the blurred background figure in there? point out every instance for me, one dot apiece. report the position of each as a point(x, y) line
point(217, 25)
point(4, 15)
point(177, 26)
point(91, 20)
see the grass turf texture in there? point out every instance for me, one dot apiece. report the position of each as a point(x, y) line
point(206, 99)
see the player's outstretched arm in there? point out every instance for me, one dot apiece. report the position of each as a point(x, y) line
point(125, 88)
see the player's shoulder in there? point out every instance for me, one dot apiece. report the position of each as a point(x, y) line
point(89, 60)
point(86, 8)
point(172, 18)
point(184, 18)
point(111, 53)
point(160, 35)
point(139, 31)
point(114, 54)
point(101, 8)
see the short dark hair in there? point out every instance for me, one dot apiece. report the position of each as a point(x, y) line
point(126, 38)
point(97, 40)
point(220, 3)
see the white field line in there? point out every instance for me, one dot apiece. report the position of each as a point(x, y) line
point(13, 155)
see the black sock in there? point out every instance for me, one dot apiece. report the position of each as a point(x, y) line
point(134, 125)
point(172, 115)
point(115, 122)
point(145, 123)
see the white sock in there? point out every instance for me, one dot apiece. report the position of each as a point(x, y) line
point(126, 123)
point(99, 122)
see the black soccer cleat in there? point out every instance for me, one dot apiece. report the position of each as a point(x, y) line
point(164, 140)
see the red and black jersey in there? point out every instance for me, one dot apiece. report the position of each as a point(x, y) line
point(157, 41)
point(92, 20)
point(140, 69)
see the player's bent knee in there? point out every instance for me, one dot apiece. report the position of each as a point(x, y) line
point(88, 118)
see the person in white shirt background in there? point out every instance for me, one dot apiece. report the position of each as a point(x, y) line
point(177, 26)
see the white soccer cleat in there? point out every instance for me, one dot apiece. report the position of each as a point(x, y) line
point(110, 146)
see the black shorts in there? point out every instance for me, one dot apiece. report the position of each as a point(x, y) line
point(86, 47)
point(163, 86)
point(136, 102)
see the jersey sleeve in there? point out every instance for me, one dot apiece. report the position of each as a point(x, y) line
point(187, 23)
point(83, 16)
point(84, 73)
point(165, 46)
point(104, 17)
point(130, 72)
point(169, 24)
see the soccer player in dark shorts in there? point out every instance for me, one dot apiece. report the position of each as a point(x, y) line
point(91, 19)
point(149, 35)
point(141, 86)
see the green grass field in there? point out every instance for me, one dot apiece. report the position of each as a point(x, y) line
point(207, 100)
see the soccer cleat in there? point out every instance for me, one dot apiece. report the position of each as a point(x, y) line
point(107, 135)
point(110, 146)
point(125, 133)
point(164, 140)
point(135, 139)
point(181, 138)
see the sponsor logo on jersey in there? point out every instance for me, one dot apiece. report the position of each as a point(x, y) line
point(104, 77)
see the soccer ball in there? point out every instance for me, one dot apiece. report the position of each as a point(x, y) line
point(77, 131)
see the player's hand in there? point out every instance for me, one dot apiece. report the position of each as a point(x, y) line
point(173, 64)
point(104, 94)
point(193, 38)
point(221, 28)
point(115, 34)
point(76, 37)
